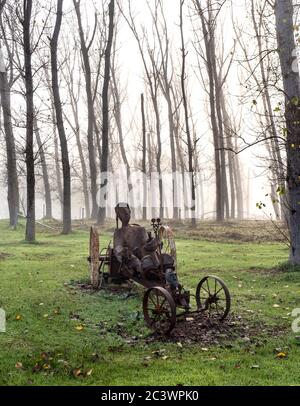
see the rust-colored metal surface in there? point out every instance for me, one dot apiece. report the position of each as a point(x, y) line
point(159, 310)
point(153, 265)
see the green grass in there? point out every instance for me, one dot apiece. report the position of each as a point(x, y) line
point(45, 348)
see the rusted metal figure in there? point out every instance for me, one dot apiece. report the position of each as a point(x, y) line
point(149, 259)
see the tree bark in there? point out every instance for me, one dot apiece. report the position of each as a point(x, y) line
point(29, 154)
point(207, 33)
point(90, 106)
point(11, 160)
point(144, 151)
point(291, 84)
point(67, 223)
point(118, 119)
point(76, 130)
point(187, 125)
point(47, 190)
point(105, 115)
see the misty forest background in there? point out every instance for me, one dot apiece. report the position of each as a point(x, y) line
point(209, 88)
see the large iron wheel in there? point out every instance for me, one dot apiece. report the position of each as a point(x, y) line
point(213, 296)
point(159, 310)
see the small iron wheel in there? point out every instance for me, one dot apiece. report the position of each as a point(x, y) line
point(213, 295)
point(159, 310)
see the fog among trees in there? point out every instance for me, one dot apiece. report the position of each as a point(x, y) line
point(185, 109)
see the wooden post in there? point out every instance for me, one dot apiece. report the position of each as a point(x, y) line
point(94, 256)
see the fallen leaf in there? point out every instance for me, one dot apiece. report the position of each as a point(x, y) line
point(180, 345)
point(89, 372)
point(18, 317)
point(19, 365)
point(80, 327)
point(281, 355)
point(76, 372)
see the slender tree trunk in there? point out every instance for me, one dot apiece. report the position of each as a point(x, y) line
point(218, 109)
point(118, 118)
point(48, 201)
point(90, 106)
point(158, 155)
point(186, 115)
point(207, 33)
point(291, 83)
point(263, 85)
point(105, 115)
point(67, 224)
point(11, 160)
point(173, 154)
point(231, 157)
point(144, 151)
point(30, 175)
point(76, 131)
point(58, 171)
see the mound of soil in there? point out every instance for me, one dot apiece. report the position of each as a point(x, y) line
point(198, 328)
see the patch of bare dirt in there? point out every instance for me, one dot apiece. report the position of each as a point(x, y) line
point(198, 328)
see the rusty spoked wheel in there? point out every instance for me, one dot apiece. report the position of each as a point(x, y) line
point(159, 310)
point(213, 295)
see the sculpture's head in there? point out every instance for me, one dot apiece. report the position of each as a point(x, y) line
point(123, 213)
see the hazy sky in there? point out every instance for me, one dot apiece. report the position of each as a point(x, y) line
point(132, 82)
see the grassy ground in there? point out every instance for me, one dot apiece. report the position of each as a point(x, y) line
point(59, 335)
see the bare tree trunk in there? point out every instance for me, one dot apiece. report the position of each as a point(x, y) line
point(55, 139)
point(105, 115)
point(291, 83)
point(153, 83)
point(30, 175)
point(144, 150)
point(11, 160)
point(48, 201)
point(186, 115)
point(207, 33)
point(231, 157)
point(218, 89)
point(277, 167)
point(238, 186)
point(76, 130)
point(118, 119)
point(67, 224)
point(162, 67)
point(57, 171)
point(90, 105)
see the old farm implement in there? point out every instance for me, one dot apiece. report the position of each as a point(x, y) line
point(165, 299)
